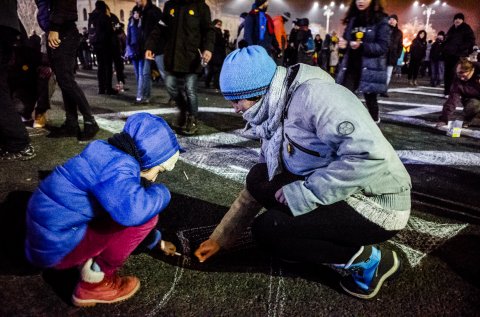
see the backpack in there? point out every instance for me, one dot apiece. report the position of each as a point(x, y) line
point(309, 45)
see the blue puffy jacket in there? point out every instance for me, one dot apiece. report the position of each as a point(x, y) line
point(101, 180)
point(375, 44)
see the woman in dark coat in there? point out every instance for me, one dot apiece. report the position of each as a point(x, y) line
point(366, 39)
point(418, 50)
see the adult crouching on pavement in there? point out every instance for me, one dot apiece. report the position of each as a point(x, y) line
point(465, 92)
point(186, 28)
point(366, 40)
point(332, 185)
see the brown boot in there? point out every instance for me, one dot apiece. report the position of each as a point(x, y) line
point(95, 288)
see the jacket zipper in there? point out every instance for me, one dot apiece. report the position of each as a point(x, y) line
point(301, 148)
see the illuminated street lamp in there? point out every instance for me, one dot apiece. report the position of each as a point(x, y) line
point(428, 12)
point(328, 13)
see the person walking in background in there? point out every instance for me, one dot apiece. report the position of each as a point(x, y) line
point(318, 49)
point(63, 42)
point(436, 60)
point(303, 41)
point(394, 48)
point(189, 44)
point(259, 28)
point(14, 140)
point(219, 54)
point(135, 49)
point(325, 53)
point(366, 39)
point(85, 50)
point(417, 54)
point(280, 33)
point(151, 16)
point(101, 37)
point(425, 68)
point(334, 54)
point(459, 42)
point(118, 49)
point(241, 28)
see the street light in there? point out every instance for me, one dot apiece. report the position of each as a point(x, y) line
point(328, 13)
point(428, 12)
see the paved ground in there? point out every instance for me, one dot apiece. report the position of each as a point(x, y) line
point(440, 246)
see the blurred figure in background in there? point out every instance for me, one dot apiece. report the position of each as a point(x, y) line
point(418, 51)
point(394, 48)
point(218, 56)
point(366, 39)
point(259, 28)
point(436, 60)
point(14, 139)
point(459, 42)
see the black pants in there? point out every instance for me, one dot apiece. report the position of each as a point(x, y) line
point(413, 69)
point(13, 134)
point(449, 72)
point(63, 60)
point(328, 234)
point(213, 73)
point(351, 82)
point(105, 69)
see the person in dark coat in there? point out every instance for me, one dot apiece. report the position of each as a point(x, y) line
point(394, 48)
point(436, 60)
point(57, 18)
point(189, 43)
point(101, 37)
point(259, 28)
point(118, 51)
point(14, 139)
point(300, 38)
point(465, 92)
point(418, 50)
point(366, 39)
point(219, 54)
point(459, 42)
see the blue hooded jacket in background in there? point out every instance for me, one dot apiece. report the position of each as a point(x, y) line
point(99, 181)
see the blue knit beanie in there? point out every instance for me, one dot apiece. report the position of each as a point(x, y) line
point(247, 72)
point(155, 140)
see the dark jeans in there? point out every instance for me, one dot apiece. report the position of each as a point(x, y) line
point(13, 134)
point(171, 82)
point(63, 60)
point(329, 234)
point(105, 69)
point(436, 77)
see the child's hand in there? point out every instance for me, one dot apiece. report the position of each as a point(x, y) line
point(168, 248)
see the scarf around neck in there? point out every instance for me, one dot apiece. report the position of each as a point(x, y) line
point(265, 118)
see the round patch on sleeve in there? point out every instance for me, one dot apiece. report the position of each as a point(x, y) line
point(345, 128)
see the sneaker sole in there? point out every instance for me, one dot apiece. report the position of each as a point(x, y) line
point(92, 302)
point(389, 273)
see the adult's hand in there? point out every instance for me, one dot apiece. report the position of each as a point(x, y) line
point(149, 55)
point(355, 45)
point(207, 249)
point(342, 43)
point(53, 39)
point(207, 56)
point(280, 197)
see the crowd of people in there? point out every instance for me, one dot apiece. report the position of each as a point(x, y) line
point(333, 187)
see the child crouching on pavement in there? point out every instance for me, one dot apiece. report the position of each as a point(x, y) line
point(95, 209)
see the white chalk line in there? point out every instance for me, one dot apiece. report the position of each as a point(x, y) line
point(176, 278)
point(276, 306)
point(413, 157)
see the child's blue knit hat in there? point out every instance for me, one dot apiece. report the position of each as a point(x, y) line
point(154, 139)
point(247, 72)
